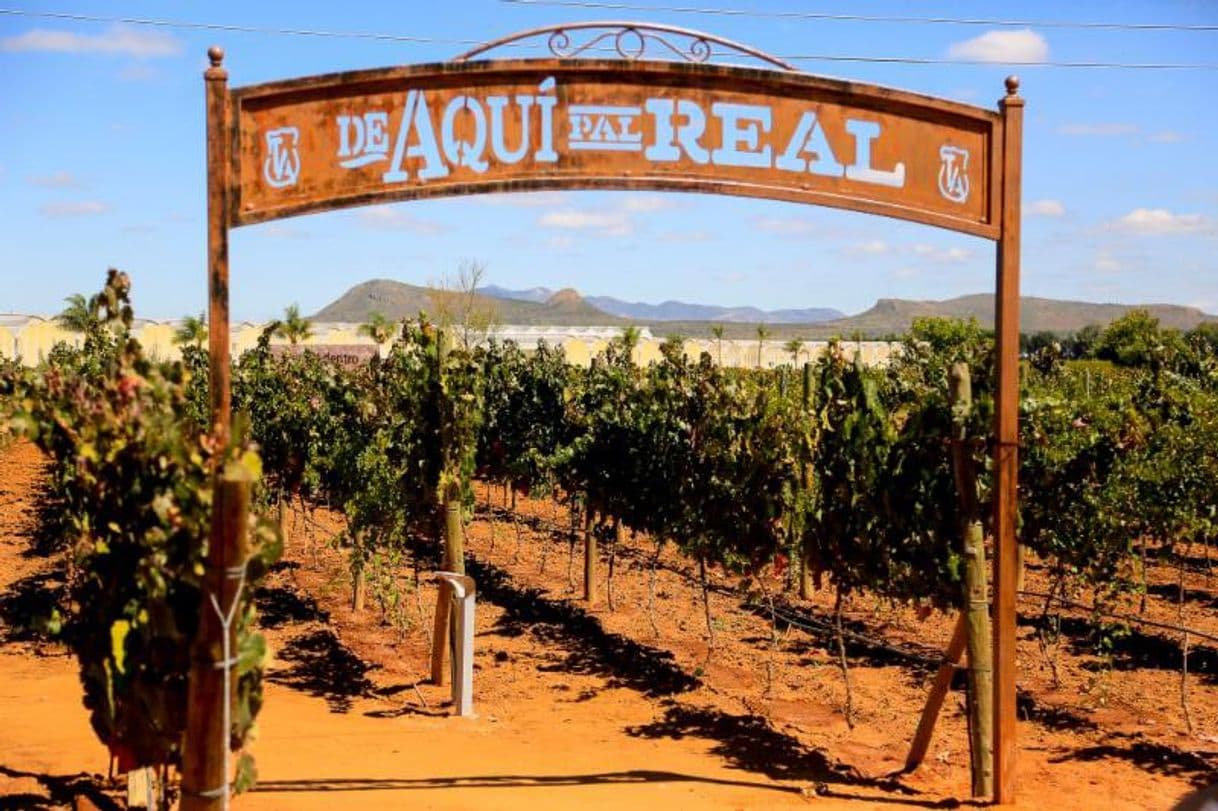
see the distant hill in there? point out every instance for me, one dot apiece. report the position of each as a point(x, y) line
point(538, 295)
point(642, 312)
point(541, 306)
point(1036, 314)
point(396, 300)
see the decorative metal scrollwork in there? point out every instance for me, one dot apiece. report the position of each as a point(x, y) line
point(630, 41)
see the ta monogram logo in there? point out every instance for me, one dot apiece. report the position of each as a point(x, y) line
point(953, 173)
point(282, 165)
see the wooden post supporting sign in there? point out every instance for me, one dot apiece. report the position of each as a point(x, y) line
point(204, 780)
point(1006, 449)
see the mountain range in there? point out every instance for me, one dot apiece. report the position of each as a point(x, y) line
point(542, 306)
point(676, 310)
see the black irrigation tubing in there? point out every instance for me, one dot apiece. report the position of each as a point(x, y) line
point(811, 625)
point(1180, 629)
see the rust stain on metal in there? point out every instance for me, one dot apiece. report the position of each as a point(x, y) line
point(459, 128)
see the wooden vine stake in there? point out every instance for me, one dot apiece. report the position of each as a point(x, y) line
point(976, 604)
point(454, 529)
point(806, 583)
point(590, 553)
point(938, 691)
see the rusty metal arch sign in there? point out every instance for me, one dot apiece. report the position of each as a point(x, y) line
point(570, 121)
point(458, 128)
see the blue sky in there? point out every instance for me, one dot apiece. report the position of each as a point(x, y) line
point(102, 165)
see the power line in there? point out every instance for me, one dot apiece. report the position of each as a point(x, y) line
point(227, 27)
point(420, 40)
point(870, 18)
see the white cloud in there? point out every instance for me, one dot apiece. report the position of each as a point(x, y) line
point(1045, 208)
point(694, 235)
point(118, 39)
point(1105, 262)
point(528, 199)
point(138, 72)
point(1100, 128)
point(947, 256)
point(648, 202)
point(281, 231)
point(873, 247)
point(616, 220)
point(58, 180)
point(784, 226)
point(607, 223)
point(84, 208)
point(1167, 137)
point(388, 218)
point(1160, 221)
point(1010, 47)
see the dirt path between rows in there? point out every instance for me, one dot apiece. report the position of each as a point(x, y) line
point(576, 708)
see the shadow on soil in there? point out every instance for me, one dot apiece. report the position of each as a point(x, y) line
point(506, 781)
point(279, 606)
point(1170, 593)
point(749, 743)
point(1197, 769)
point(321, 665)
point(27, 605)
point(1137, 649)
point(61, 791)
point(592, 649)
point(318, 662)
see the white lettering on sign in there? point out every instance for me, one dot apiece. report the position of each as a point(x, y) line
point(281, 168)
point(864, 133)
point(809, 139)
point(953, 173)
point(742, 126)
point(604, 127)
point(670, 133)
point(363, 139)
point(415, 118)
point(465, 153)
point(471, 131)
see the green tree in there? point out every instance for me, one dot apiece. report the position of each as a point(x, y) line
point(717, 331)
point(79, 316)
point(763, 332)
point(377, 327)
point(191, 332)
point(1204, 334)
point(629, 340)
point(794, 347)
point(294, 327)
point(1131, 340)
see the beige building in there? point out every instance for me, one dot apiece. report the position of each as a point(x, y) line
point(30, 338)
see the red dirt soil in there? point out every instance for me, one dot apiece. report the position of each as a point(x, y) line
point(594, 708)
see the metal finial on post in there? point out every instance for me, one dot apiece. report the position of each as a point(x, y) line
point(1012, 83)
point(216, 54)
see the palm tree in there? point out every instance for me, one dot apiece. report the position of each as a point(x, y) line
point(630, 339)
point(294, 327)
point(192, 331)
point(78, 316)
point(794, 347)
point(717, 331)
point(763, 332)
point(377, 327)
